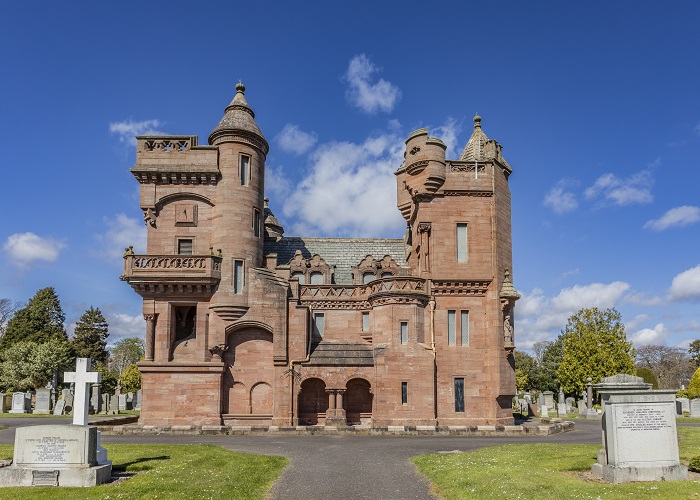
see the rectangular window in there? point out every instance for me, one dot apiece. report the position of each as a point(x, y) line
point(316, 278)
point(404, 332)
point(451, 328)
point(404, 393)
point(464, 327)
point(461, 242)
point(238, 276)
point(459, 395)
point(365, 322)
point(184, 247)
point(245, 170)
point(319, 326)
point(256, 222)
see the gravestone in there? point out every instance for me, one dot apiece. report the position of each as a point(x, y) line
point(581, 407)
point(3, 402)
point(561, 405)
point(67, 395)
point(95, 399)
point(61, 455)
point(42, 406)
point(639, 432)
point(695, 408)
point(682, 405)
point(548, 399)
point(105, 404)
point(20, 403)
point(570, 404)
point(544, 411)
point(122, 402)
point(129, 400)
point(114, 405)
point(60, 406)
point(137, 404)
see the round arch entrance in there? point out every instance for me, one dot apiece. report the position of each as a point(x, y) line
point(313, 402)
point(358, 402)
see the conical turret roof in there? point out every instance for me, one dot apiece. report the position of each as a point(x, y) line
point(474, 150)
point(273, 228)
point(238, 117)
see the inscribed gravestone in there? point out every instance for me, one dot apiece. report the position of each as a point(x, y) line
point(122, 402)
point(639, 433)
point(19, 403)
point(42, 406)
point(570, 404)
point(114, 405)
point(137, 406)
point(3, 402)
point(95, 399)
point(60, 406)
point(105, 404)
point(682, 405)
point(695, 408)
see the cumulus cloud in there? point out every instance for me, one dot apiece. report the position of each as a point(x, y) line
point(622, 191)
point(650, 336)
point(127, 130)
point(676, 217)
point(24, 249)
point(447, 133)
point(121, 232)
point(686, 285)
point(347, 186)
point(560, 200)
point(292, 139)
point(123, 325)
point(277, 184)
point(365, 94)
point(641, 299)
point(538, 317)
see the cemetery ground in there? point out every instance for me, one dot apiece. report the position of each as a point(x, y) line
point(322, 466)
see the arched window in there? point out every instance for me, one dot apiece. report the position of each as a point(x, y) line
point(367, 277)
point(299, 275)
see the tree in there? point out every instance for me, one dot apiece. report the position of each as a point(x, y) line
point(90, 337)
point(7, 309)
point(672, 366)
point(40, 320)
point(126, 352)
point(131, 379)
point(694, 387)
point(28, 365)
point(694, 351)
point(648, 376)
point(544, 376)
point(524, 366)
point(595, 346)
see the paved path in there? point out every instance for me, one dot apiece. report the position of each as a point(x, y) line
point(353, 467)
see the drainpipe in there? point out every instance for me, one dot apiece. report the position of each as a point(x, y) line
point(431, 306)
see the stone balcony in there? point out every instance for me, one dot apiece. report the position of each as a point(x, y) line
point(151, 275)
point(399, 288)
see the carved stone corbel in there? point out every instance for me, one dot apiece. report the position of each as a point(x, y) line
point(218, 350)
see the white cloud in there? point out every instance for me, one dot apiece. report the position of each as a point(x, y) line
point(650, 336)
point(686, 285)
point(676, 217)
point(559, 199)
point(572, 272)
point(641, 299)
point(447, 133)
point(632, 190)
point(25, 248)
point(636, 321)
point(362, 93)
point(124, 325)
point(540, 318)
point(277, 184)
point(122, 232)
point(347, 186)
point(294, 140)
point(128, 130)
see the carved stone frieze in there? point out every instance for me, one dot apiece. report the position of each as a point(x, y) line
point(455, 287)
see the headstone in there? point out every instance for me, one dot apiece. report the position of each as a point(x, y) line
point(60, 406)
point(3, 402)
point(548, 399)
point(67, 396)
point(137, 405)
point(122, 402)
point(105, 404)
point(544, 411)
point(61, 455)
point(581, 407)
point(42, 406)
point(20, 403)
point(561, 405)
point(695, 408)
point(682, 405)
point(95, 399)
point(639, 433)
point(570, 404)
point(130, 401)
point(114, 405)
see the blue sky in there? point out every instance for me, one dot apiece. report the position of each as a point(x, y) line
point(595, 104)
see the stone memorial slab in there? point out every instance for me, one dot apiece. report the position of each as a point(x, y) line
point(95, 400)
point(137, 404)
point(105, 404)
point(42, 405)
point(695, 408)
point(581, 407)
point(60, 406)
point(3, 402)
point(570, 404)
point(544, 411)
point(639, 435)
point(682, 405)
point(548, 399)
point(122, 402)
point(114, 404)
point(20, 403)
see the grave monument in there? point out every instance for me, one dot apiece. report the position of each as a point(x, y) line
point(61, 455)
point(640, 442)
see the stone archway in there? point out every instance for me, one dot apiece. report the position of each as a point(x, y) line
point(313, 401)
point(358, 402)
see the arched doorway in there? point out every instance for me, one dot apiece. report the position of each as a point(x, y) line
point(313, 401)
point(358, 402)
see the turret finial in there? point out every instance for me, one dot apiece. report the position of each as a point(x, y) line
point(240, 88)
point(477, 121)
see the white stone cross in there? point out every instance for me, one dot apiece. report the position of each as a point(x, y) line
point(82, 379)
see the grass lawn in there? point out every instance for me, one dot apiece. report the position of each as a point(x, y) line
point(171, 471)
point(544, 471)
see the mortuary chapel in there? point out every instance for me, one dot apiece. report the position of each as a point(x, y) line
point(247, 326)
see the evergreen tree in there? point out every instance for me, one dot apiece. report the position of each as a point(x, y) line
point(694, 351)
point(28, 365)
point(131, 379)
point(39, 321)
point(648, 376)
point(90, 337)
point(595, 345)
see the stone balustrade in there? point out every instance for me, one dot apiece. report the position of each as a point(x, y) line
point(176, 272)
point(353, 293)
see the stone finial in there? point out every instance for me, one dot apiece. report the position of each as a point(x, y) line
point(477, 121)
point(507, 290)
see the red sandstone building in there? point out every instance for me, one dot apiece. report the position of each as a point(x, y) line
point(245, 326)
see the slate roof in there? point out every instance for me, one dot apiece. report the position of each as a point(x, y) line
point(341, 354)
point(343, 253)
point(238, 116)
point(474, 150)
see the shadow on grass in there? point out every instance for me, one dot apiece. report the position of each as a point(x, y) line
point(124, 466)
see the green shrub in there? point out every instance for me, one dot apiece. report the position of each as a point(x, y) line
point(694, 464)
point(648, 376)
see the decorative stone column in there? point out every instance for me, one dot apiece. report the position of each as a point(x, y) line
point(335, 414)
point(150, 335)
